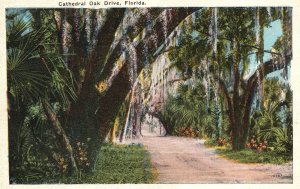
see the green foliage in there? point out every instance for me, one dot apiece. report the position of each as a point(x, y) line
point(215, 120)
point(236, 40)
point(114, 164)
point(35, 69)
point(35, 168)
point(187, 108)
point(28, 161)
point(122, 164)
point(36, 73)
point(27, 77)
point(188, 55)
point(217, 142)
point(282, 142)
point(251, 156)
point(211, 142)
point(273, 123)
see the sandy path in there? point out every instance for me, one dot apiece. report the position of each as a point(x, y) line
point(186, 160)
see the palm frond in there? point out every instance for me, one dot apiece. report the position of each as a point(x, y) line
point(34, 71)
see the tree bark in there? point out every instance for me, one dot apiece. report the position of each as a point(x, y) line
point(82, 120)
point(111, 100)
point(161, 119)
point(239, 106)
point(61, 133)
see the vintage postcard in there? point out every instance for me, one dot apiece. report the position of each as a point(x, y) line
point(149, 92)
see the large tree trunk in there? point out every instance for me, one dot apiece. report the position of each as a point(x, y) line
point(82, 120)
point(240, 130)
point(92, 115)
point(240, 118)
point(239, 106)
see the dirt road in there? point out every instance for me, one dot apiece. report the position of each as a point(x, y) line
point(186, 160)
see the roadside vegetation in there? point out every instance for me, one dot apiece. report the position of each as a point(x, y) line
point(114, 164)
point(252, 156)
point(269, 141)
point(123, 164)
point(250, 119)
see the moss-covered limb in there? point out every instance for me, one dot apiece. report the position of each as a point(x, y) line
point(111, 100)
point(140, 42)
point(131, 30)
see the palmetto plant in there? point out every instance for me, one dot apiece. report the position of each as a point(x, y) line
point(187, 109)
point(26, 75)
point(282, 142)
point(267, 122)
point(36, 75)
point(268, 118)
point(33, 71)
point(273, 123)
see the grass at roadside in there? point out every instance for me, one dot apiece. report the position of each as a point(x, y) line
point(248, 155)
point(121, 164)
point(251, 156)
point(115, 164)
